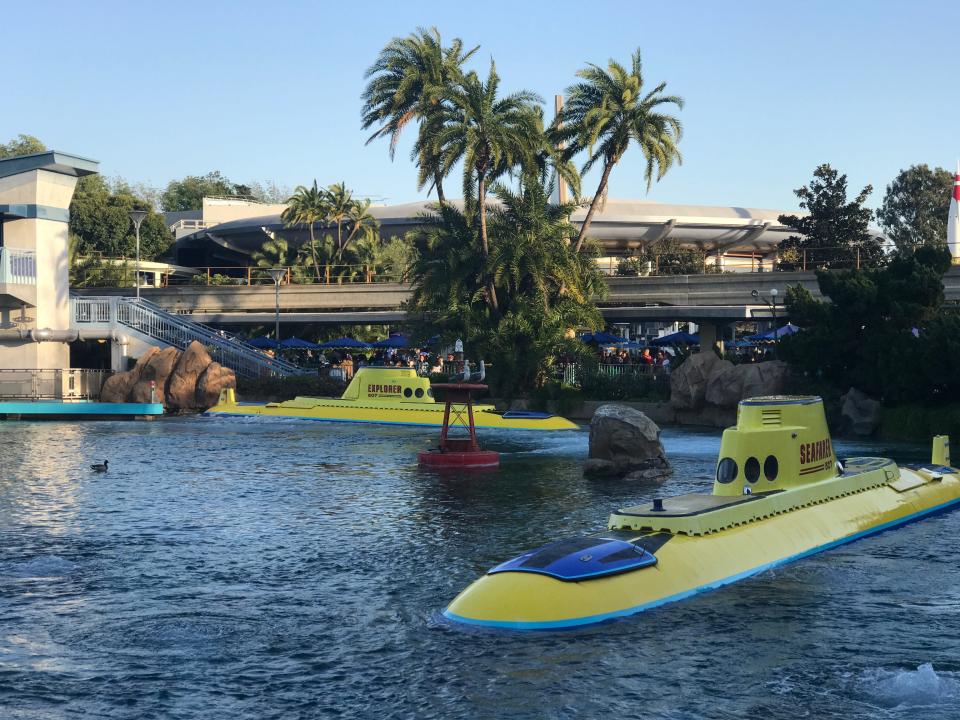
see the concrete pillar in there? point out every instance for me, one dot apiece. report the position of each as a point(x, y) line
point(35, 194)
point(711, 335)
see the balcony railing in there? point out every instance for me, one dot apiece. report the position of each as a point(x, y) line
point(18, 267)
point(70, 384)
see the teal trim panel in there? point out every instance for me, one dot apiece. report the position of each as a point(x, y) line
point(52, 161)
point(39, 212)
point(79, 409)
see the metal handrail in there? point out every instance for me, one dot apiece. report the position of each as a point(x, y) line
point(155, 322)
point(51, 384)
point(18, 267)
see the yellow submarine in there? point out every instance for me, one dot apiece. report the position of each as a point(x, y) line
point(779, 496)
point(388, 395)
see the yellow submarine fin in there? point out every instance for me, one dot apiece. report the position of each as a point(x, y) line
point(941, 450)
point(228, 396)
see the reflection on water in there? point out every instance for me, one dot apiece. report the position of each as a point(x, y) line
point(230, 568)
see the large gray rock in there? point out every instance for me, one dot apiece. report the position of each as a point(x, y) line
point(688, 383)
point(730, 384)
point(862, 413)
point(625, 442)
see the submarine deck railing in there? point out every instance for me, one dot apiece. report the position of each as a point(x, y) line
point(155, 322)
point(51, 384)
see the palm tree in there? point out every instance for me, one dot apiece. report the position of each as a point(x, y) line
point(531, 254)
point(608, 110)
point(363, 225)
point(307, 205)
point(492, 136)
point(407, 83)
point(340, 204)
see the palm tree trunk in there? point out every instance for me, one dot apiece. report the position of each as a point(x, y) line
point(601, 188)
point(482, 209)
point(438, 181)
point(313, 252)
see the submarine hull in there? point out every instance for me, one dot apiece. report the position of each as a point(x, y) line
point(687, 564)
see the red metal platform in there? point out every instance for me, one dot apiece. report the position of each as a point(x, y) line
point(466, 452)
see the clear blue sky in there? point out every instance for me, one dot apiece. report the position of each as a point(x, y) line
point(270, 91)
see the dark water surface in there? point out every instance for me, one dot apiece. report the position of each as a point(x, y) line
point(230, 568)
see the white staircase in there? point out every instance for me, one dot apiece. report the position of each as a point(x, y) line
point(159, 327)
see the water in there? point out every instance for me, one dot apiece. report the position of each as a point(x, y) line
point(231, 568)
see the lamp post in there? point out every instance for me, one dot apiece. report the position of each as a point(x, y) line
point(277, 274)
point(772, 304)
point(137, 217)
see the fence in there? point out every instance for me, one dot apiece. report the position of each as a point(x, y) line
point(569, 372)
point(295, 275)
point(70, 384)
point(18, 267)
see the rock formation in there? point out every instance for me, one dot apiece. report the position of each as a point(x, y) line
point(729, 385)
point(624, 442)
point(861, 412)
point(184, 381)
point(688, 383)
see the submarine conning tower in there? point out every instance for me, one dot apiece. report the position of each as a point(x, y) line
point(779, 442)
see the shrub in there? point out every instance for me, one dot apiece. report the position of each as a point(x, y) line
point(276, 389)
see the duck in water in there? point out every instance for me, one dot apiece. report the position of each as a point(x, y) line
point(100, 467)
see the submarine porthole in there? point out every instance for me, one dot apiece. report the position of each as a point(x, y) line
point(418, 392)
point(407, 392)
point(751, 470)
point(429, 392)
point(770, 468)
point(727, 470)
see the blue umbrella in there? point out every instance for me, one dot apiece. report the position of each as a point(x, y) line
point(263, 343)
point(601, 338)
point(296, 343)
point(344, 342)
point(677, 338)
point(394, 341)
point(788, 329)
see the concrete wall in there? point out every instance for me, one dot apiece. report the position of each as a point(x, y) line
point(48, 239)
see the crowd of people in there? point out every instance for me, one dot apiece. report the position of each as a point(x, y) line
point(655, 359)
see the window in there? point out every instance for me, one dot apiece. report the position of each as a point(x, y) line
point(751, 470)
point(770, 468)
point(407, 392)
point(418, 392)
point(727, 470)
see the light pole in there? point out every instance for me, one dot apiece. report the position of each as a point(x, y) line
point(277, 274)
point(772, 304)
point(137, 217)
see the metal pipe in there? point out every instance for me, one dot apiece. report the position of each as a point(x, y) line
point(39, 335)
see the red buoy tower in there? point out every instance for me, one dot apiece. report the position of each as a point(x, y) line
point(461, 452)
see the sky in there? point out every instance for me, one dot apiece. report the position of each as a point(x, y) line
point(270, 92)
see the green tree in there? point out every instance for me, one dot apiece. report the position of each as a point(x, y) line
point(277, 253)
point(545, 288)
point(916, 205)
point(664, 257)
point(99, 218)
point(21, 145)
point(407, 83)
point(491, 136)
point(835, 233)
point(871, 333)
point(605, 113)
point(307, 206)
point(188, 193)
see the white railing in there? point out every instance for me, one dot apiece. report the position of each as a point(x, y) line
point(70, 384)
point(18, 267)
point(570, 371)
point(155, 322)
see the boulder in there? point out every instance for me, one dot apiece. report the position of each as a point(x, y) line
point(861, 412)
point(212, 380)
point(155, 370)
point(182, 385)
point(730, 384)
point(625, 442)
point(688, 383)
point(117, 387)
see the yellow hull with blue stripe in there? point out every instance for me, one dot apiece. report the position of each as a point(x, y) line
point(332, 410)
point(687, 565)
point(779, 496)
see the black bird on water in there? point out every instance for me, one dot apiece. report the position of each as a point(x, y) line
point(100, 467)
